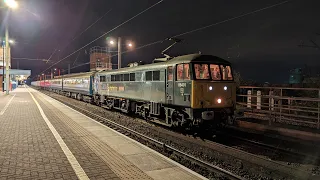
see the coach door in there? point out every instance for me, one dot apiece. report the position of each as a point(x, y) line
point(169, 85)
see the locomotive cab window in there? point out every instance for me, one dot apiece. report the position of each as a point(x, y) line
point(226, 72)
point(170, 73)
point(201, 71)
point(183, 72)
point(215, 72)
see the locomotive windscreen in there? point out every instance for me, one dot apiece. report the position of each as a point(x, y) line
point(213, 72)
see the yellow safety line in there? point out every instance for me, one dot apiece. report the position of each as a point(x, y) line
point(7, 105)
point(73, 161)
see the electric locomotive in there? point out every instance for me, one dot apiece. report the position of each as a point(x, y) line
point(188, 90)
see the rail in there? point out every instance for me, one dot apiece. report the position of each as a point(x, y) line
point(194, 160)
point(296, 106)
point(246, 160)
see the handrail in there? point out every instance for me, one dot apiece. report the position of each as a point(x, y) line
point(304, 109)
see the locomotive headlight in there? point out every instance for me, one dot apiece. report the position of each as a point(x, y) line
point(210, 88)
point(219, 101)
point(225, 88)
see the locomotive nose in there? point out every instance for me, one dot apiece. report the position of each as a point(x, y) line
point(212, 94)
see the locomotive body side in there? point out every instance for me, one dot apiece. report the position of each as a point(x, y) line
point(170, 91)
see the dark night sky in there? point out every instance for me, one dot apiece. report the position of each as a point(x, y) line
point(266, 41)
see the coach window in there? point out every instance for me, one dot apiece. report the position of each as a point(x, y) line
point(156, 76)
point(132, 76)
point(102, 78)
point(170, 73)
point(149, 76)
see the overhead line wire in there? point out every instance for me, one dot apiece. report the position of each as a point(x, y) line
point(201, 28)
point(104, 34)
point(87, 28)
point(233, 18)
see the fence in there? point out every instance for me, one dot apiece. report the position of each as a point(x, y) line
point(295, 106)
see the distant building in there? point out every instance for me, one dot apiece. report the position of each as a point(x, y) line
point(100, 59)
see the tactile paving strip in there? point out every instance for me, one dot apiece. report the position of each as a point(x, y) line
point(118, 164)
point(28, 149)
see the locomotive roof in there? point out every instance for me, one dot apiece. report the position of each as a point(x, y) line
point(176, 60)
point(198, 58)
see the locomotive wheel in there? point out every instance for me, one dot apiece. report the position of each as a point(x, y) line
point(231, 120)
point(145, 113)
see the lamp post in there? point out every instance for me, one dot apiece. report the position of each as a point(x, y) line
point(2, 66)
point(3, 59)
point(119, 52)
point(7, 60)
point(120, 49)
point(12, 4)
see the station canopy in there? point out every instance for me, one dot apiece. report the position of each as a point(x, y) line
point(18, 72)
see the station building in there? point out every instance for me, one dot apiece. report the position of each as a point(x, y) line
point(17, 76)
point(100, 59)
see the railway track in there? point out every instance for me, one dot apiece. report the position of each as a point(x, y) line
point(277, 153)
point(245, 164)
point(166, 149)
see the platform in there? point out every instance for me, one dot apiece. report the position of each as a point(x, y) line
point(41, 138)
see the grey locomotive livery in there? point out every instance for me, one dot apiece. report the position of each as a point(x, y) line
point(186, 90)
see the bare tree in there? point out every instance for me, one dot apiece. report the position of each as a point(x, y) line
point(237, 78)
